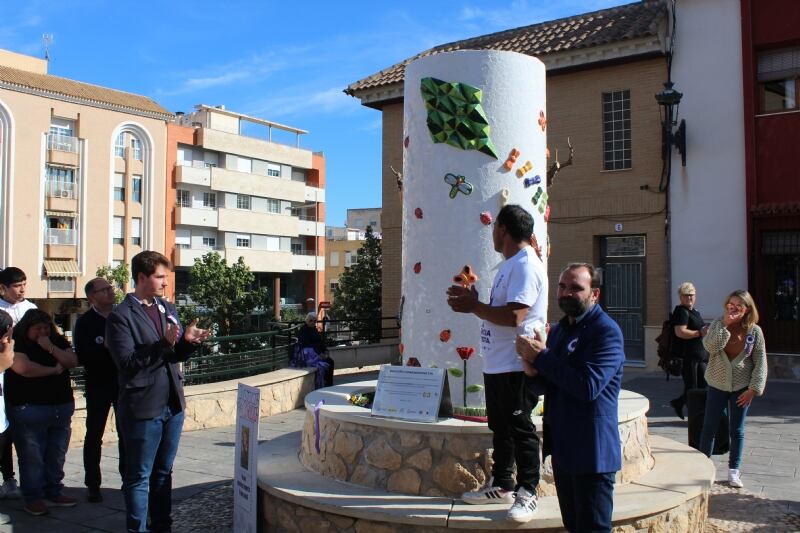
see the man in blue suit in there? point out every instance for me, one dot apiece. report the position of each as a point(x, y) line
point(147, 342)
point(582, 364)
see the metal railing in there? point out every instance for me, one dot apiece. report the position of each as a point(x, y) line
point(60, 189)
point(62, 143)
point(356, 331)
point(61, 284)
point(61, 236)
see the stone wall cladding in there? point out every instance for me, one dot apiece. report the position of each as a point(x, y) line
point(433, 464)
point(215, 408)
point(280, 516)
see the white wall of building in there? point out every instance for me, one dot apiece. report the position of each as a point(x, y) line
point(707, 197)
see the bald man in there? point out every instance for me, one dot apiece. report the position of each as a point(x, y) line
point(101, 390)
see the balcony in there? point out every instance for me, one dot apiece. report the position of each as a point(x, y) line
point(261, 260)
point(64, 237)
point(195, 216)
point(60, 285)
point(242, 221)
point(307, 260)
point(256, 185)
point(185, 256)
point(63, 150)
point(61, 196)
point(232, 143)
point(308, 226)
point(314, 194)
point(193, 175)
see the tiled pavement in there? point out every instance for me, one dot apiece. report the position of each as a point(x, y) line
point(205, 462)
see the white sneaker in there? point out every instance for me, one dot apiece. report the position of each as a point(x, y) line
point(734, 479)
point(488, 494)
point(9, 489)
point(524, 506)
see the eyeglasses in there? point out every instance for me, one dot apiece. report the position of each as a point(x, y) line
point(109, 288)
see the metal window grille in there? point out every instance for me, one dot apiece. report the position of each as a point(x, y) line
point(617, 130)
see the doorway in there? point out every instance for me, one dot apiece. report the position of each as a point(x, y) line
point(623, 296)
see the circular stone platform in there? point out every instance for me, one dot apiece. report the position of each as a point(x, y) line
point(446, 458)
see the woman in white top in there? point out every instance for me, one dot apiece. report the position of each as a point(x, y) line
point(736, 373)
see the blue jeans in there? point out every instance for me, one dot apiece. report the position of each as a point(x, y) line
point(586, 501)
point(41, 437)
point(716, 400)
point(150, 448)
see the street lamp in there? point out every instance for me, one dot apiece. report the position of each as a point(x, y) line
point(669, 101)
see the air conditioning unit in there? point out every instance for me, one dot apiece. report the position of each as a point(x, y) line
point(64, 193)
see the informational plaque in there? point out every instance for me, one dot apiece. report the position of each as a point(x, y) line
point(407, 392)
point(245, 491)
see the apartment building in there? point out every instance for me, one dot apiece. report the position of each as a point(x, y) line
point(82, 179)
point(238, 191)
point(603, 70)
point(342, 244)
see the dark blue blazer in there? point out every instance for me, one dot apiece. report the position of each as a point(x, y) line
point(147, 366)
point(583, 368)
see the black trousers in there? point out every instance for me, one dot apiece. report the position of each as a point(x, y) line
point(693, 373)
point(509, 402)
point(6, 455)
point(99, 400)
point(586, 501)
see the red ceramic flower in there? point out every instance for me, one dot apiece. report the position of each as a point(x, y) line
point(412, 361)
point(406, 141)
point(444, 335)
point(417, 268)
point(418, 212)
point(465, 352)
point(486, 218)
point(542, 120)
point(466, 278)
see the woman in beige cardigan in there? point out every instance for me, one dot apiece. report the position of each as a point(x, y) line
point(737, 371)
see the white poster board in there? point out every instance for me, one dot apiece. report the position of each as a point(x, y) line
point(407, 392)
point(245, 491)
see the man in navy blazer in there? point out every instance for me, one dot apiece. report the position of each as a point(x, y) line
point(146, 342)
point(582, 364)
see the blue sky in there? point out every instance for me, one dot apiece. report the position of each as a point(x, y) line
point(282, 61)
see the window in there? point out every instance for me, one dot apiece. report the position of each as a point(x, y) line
point(778, 74)
point(334, 286)
point(273, 206)
point(334, 259)
point(62, 126)
point(184, 155)
point(617, 130)
point(136, 189)
point(273, 170)
point(183, 238)
point(119, 145)
point(242, 201)
point(244, 164)
point(273, 243)
point(183, 198)
point(61, 135)
point(60, 182)
point(119, 187)
point(119, 230)
point(210, 200)
point(136, 231)
point(297, 248)
point(350, 258)
point(136, 145)
point(209, 242)
point(210, 159)
point(243, 241)
point(373, 224)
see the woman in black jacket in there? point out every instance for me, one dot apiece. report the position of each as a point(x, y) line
point(689, 330)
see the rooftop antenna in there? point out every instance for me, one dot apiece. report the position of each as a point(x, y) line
point(47, 40)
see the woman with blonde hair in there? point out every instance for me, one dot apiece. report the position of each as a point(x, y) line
point(689, 330)
point(737, 372)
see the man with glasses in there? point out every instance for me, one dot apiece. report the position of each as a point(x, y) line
point(101, 389)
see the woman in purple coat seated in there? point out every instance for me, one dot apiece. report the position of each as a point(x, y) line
point(310, 351)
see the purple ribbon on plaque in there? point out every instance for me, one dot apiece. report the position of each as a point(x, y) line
point(316, 423)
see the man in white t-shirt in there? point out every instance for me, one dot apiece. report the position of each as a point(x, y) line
point(13, 283)
point(517, 305)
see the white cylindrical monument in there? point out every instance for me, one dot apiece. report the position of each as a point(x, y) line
point(474, 139)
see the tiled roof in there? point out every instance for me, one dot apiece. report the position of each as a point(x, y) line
point(54, 86)
point(630, 21)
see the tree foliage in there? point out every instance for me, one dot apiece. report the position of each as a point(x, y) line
point(117, 276)
point(227, 295)
point(357, 299)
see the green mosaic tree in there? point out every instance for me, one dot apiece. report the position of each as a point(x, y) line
point(455, 115)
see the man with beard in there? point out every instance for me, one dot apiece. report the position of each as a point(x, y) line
point(517, 305)
point(582, 364)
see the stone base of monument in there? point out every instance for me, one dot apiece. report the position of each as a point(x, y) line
point(389, 475)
